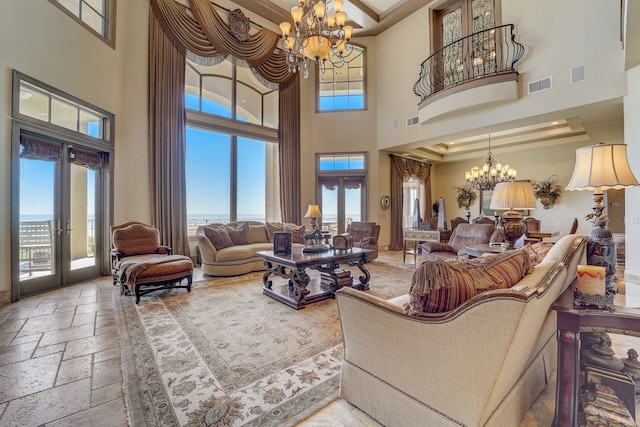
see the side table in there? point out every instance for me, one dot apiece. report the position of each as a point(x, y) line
point(571, 321)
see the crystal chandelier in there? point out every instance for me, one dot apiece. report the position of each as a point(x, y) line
point(492, 172)
point(316, 34)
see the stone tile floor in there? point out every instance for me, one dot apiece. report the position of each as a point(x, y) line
point(60, 362)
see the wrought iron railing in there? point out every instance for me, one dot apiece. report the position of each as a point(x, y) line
point(482, 54)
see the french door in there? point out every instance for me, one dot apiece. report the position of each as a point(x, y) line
point(59, 215)
point(341, 201)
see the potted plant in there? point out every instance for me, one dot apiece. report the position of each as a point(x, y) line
point(548, 191)
point(466, 195)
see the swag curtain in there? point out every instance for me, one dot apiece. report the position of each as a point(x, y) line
point(402, 170)
point(173, 34)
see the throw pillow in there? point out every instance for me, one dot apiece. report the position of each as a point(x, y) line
point(218, 236)
point(239, 233)
point(258, 234)
point(439, 286)
point(296, 232)
point(273, 227)
point(538, 250)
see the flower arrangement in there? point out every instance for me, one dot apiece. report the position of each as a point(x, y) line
point(548, 191)
point(466, 195)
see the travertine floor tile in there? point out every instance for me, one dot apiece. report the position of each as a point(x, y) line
point(31, 376)
point(48, 405)
point(68, 334)
point(17, 353)
point(106, 373)
point(110, 414)
point(92, 344)
point(51, 322)
point(49, 349)
point(106, 394)
point(74, 369)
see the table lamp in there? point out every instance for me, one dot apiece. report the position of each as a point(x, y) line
point(602, 167)
point(315, 243)
point(509, 196)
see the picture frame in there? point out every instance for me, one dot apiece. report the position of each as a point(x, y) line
point(282, 242)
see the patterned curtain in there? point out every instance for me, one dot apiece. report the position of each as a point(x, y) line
point(175, 33)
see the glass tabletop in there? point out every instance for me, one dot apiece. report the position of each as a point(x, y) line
point(628, 295)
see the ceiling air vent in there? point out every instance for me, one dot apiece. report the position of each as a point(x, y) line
point(540, 85)
point(577, 74)
point(412, 121)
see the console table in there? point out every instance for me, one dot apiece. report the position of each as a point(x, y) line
point(572, 320)
point(299, 289)
point(413, 236)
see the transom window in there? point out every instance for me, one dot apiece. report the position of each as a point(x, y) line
point(96, 15)
point(38, 101)
point(343, 88)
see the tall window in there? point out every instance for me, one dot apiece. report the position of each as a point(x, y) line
point(96, 15)
point(231, 154)
point(343, 88)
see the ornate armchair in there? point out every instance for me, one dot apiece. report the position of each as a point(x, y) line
point(455, 221)
point(463, 235)
point(365, 235)
point(139, 261)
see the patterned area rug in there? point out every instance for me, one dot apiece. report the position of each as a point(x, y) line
point(226, 355)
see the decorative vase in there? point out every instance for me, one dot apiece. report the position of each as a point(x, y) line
point(546, 203)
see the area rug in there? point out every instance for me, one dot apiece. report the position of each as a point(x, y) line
point(227, 355)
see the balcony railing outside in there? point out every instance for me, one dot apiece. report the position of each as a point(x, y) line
point(482, 54)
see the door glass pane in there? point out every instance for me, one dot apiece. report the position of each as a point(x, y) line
point(352, 200)
point(82, 217)
point(330, 189)
point(208, 162)
point(36, 247)
point(251, 204)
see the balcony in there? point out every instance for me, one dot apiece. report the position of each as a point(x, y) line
point(483, 58)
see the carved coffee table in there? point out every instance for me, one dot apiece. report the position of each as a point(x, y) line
point(300, 290)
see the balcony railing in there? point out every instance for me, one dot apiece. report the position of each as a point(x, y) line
point(482, 54)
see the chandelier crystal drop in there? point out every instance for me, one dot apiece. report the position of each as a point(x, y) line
point(492, 172)
point(318, 34)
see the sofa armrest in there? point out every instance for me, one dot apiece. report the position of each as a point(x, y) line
point(369, 241)
point(208, 252)
point(436, 247)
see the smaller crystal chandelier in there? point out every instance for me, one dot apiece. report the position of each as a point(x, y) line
point(317, 34)
point(486, 177)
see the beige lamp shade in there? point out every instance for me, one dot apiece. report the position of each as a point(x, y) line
point(516, 195)
point(313, 211)
point(602, 167)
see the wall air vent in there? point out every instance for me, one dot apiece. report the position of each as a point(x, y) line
point(540, 85)
point(412, 121)
point(577, 74)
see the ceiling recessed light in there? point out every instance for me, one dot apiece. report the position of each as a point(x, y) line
point(555, 123)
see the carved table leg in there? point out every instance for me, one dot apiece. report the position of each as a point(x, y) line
point(299, 279)
point(364, 280)
point(265, 276)
point(567, 385)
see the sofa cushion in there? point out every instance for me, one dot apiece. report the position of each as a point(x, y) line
point(258, 234)
point(219, 237)
point(296, 232)
point(239, 233)
point(439, 286)
point(272, 227)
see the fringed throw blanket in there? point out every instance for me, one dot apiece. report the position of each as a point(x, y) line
point(130, 269)
point(439, 286)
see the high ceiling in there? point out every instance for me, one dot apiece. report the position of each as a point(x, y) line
point(368, 17)
point(602, 121)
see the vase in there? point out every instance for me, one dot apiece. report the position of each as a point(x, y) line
point(546, 203)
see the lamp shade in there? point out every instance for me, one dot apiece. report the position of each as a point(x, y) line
point(602, 167)
point(313, 211)
point(515, 195)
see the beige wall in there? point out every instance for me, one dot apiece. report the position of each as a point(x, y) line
point(551, 50)
point(63, 54)
point(340, 132)
point(632, 207)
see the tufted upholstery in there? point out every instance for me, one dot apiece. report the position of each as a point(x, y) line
point(463, 235)
point(365, 235)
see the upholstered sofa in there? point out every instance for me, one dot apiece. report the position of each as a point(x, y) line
point(480, 364)
point(230, 249)
point(462, 235)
